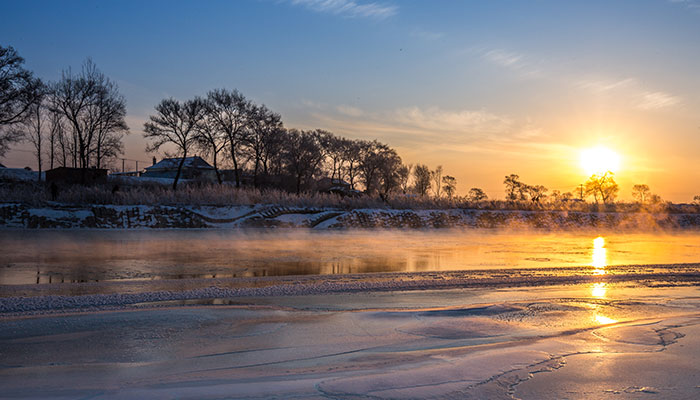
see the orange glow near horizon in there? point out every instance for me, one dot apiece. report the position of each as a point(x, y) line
point(599, 160)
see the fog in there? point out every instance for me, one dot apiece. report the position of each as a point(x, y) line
point(31, 257)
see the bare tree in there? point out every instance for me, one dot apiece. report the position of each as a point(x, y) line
point(421, 179)
point(303, 155)
point(602, 187)
point(373, 157)
point(449, 185)
point(110, 125)
point(231, 113)
point(264, 126)
point(389, 172)
point(476, 195)
point(56, 132)
point(513, 187)
point(641, 193)
point(436, 176)
point(536, 192)
point(352, 154)
point(19, 90)
point(32, 130)
point(210, 139)
point(94, 110)
point(404, 177)
point(175, 123)
point(334, 149)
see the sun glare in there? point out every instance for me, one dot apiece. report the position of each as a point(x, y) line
point(599, 160)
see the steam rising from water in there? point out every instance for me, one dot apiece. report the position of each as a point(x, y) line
point(65, 256)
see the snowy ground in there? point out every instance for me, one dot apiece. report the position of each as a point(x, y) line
point(56, 215)
point(576, 341)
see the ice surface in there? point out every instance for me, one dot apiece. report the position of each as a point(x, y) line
point(468, 343)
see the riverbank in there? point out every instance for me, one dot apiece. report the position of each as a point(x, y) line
point(18, 215)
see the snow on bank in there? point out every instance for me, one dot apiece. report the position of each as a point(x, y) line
point(270, 215)
point(19, 175)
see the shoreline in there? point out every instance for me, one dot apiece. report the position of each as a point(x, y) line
point(47, 298)
point(64, 216)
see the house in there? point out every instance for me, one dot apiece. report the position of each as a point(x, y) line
point(193, 168)
point(84, 176)
point(336, 186)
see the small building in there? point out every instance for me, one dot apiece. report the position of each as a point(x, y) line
point(193, 168)
point(81, 176)
point(336, 186)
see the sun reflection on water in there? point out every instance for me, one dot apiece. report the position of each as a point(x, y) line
point(600, 256)
point(598, 290)
point(604, 320)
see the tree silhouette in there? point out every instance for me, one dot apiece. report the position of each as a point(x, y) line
point(476, 195)
point(436, 176)
point(421, 179)
point(303, 155)
point(602, 187)
point(19, 90)
point(449, 185)
point(94, 111)
point(175, 123)
point(641, 193)
point(513, 187)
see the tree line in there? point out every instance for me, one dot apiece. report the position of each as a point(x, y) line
point(77, 121)
point(231, 130)
point(601, 187)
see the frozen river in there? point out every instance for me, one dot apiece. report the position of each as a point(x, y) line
point(55, 256)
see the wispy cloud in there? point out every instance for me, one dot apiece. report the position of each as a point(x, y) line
point(349, 111)
point(657, 100)
point(603, 85)
point(631, 91)
point(513, 61)
point(431, 128)
point(349, 8)
point(690, 4)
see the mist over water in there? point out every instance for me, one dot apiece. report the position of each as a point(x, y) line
point(31, 257)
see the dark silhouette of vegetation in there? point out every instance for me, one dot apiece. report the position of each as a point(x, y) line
point(19, 91)
point(94, 111)
point(476, 195)
point(602, 187)
point(421, 178)
point(175, 123)
point(449, 185)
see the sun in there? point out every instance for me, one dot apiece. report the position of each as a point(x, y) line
point(599, 160)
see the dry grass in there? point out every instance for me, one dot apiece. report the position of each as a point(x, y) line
point(190, 193)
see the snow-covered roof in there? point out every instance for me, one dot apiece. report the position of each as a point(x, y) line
point(194, 162)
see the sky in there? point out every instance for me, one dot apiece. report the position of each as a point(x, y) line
point(483, 88)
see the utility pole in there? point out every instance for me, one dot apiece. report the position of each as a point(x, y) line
point(580, 191)
point(137, 167)
point(123, 165)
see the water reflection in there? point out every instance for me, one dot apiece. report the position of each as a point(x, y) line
point(603, 320)
point(54, 257)
point(598, 290)
point(600, 256)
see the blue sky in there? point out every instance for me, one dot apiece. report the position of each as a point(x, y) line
point(484, 88)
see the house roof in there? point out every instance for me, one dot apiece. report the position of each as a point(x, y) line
point(194, 162)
